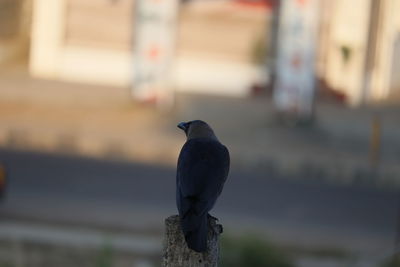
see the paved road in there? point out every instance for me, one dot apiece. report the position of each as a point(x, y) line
point(123, 194)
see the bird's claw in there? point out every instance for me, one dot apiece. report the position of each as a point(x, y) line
point(217, 228)
point(212, 217)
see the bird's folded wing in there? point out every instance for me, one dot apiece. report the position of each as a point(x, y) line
point(203, 166)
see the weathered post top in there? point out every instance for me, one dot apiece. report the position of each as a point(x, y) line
point(176, 252)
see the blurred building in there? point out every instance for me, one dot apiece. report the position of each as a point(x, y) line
point(220, 46)
point(217, 43)
point(359, 51)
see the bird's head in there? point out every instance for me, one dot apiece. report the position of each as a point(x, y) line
point(197, 129)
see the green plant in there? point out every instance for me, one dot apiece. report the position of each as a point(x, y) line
point(251, 250)
point(259, 50)
point(105, 257)
point(346, 53)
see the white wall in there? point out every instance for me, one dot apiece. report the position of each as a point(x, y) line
point(349, 28)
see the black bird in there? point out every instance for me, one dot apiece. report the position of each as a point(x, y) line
point(203, 167)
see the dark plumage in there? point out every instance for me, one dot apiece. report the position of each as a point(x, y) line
point(203, 167)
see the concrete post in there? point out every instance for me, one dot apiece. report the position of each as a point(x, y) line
point(177, 254)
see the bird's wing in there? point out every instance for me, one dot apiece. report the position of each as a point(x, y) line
point(203, 167)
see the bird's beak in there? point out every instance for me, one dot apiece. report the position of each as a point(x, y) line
point(182, 125)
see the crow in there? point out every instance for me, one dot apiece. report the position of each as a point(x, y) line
point(202, 169)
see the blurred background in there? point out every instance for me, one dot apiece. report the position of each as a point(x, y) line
point(304, 93)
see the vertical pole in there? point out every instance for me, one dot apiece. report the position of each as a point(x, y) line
point(370, 53)
point(273, 52)
point(3, 182)
point(177, 254)
point(375, 142)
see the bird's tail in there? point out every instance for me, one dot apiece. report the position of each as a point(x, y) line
point(195, 229)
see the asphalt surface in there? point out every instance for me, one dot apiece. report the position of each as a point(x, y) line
point(124, 194)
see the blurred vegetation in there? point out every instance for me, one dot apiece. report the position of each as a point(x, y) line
point(346, 52)
point(251, 250)
point(105, 256)
point(392, 262)
point(259, 51)
point(322, 252)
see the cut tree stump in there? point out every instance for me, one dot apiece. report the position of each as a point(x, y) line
point(176, 252)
